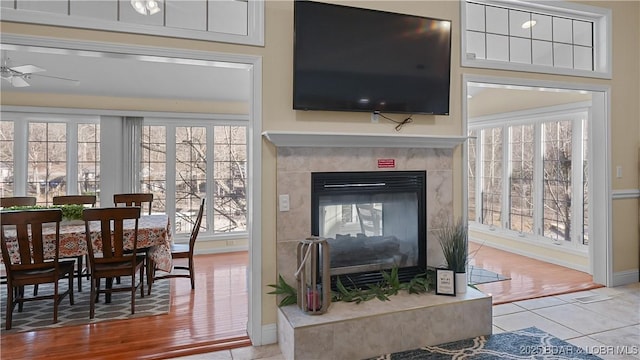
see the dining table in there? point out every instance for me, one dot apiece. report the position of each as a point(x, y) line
point(154, 235)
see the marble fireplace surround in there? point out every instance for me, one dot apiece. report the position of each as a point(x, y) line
point(349, 331)
point(301, 153)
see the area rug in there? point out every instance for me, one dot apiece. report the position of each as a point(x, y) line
point(38, 315)
point(529, 343)
point(482, 276)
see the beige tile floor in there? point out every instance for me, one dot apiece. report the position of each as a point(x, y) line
point(604, 326)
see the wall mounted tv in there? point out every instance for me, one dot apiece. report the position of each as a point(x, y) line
point(353, 59)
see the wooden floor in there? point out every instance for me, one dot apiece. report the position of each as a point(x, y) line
point(211, 318)
point(529, 278)
point(214, 316)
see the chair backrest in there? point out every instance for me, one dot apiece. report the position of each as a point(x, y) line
point(6, 202)
point(196, 226)
point(28, 240)
point(112, 232)
point(134, 199)
point(75, 200)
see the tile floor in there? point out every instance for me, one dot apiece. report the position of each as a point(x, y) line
point(606, 321)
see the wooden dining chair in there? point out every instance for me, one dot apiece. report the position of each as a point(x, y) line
point(7, 202)
point(134, 199)
point(81, 270)
point(75, 200)
point(184, 251)
point(111, 259)
point(30, 266)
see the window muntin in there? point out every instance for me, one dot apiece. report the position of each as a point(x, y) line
point(202, 161)
point(557, 171)
point(472, 176)
point(52, 150)
point(47, 161)
point(565, 38)
point(547, 166)
point(492, 161)
point(521, 182)
point(7, 165)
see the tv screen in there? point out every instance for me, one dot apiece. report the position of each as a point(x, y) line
point(353, 59)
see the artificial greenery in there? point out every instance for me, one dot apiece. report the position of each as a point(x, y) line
point(282, 288)
point(69, 212)
point(453, 241)
point(390, 285)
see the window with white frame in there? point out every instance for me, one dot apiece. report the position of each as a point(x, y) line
point(182, 162)
point(544, 162)
point(552, 37)
point(46, 156)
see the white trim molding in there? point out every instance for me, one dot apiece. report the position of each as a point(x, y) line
point(326, 139)
point(625, 194)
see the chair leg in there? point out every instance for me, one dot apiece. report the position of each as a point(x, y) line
point(92, 304)
point(20, 295)
point(191, 274)
point(71, 300)
point(79, 259)
point(55, 301)
point(150, 271)
point(9, 314)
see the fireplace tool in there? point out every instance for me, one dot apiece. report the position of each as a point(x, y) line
point(312, 275)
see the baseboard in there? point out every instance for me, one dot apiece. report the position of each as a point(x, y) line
point(626, 277)
point(269, 334)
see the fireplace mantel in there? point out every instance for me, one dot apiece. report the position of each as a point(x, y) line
point(327, 139)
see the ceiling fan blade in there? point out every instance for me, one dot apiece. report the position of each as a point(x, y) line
point(58, 78)
point(17, 81)
point(27, 69)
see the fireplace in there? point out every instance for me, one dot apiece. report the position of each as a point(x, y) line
point(373, 221)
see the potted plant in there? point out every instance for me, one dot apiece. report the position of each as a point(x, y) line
point(453, 241)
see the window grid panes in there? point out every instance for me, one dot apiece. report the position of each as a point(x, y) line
point(521, 184)
point(192, 156)
point(512, 35)
point(6, 158)
point(557, 160)
point(472, 158)
point(492, 176)
point(47, 161)
point(547, 169)
point(88, 159)
point(230, 161)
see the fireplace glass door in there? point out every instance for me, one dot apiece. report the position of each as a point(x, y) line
point(372, 221)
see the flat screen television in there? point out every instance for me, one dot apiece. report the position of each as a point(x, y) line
point(353, 59)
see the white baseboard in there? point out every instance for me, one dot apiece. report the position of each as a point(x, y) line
point(225, 249)
point(625, 277)
point(269, 334)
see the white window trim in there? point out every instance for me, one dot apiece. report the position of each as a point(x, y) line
point(601, 18)
point(535, 117)
point(212, 121)
point(255, 25)
point(21, 121)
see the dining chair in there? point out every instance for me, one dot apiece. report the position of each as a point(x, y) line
point(184, 251)
point(7, 202)
point(111, 259)
point(30, 266)
point(78, 200)
point(134, 199)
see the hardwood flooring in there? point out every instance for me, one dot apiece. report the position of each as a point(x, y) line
point(210, 318)
point(529, 278)
point(214, 316)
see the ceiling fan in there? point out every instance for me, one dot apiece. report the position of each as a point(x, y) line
point(18, 76)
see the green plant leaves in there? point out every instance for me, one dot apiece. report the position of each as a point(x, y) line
point(282, 288)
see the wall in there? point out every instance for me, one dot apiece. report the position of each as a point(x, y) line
point(278, 115)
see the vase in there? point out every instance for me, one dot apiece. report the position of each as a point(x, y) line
point(461, 283)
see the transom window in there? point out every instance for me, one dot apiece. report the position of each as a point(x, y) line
point(556, 37)
point(530, 176)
